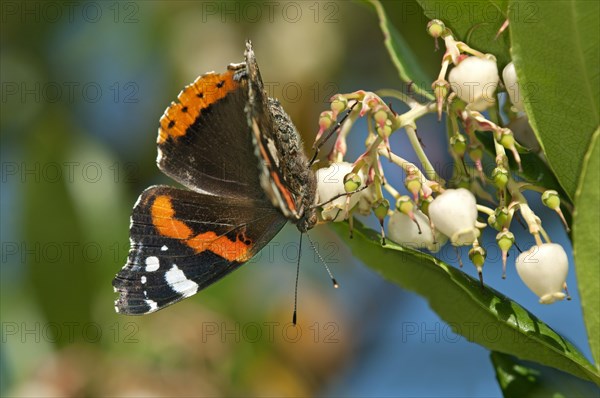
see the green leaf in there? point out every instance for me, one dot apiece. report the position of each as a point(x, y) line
point(481, 315)
point(556, 54)
point(474, 22)
point(402, 56)
point(526, 379)
point(586, 244)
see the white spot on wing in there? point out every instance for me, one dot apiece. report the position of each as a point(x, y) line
point(152, 263)
point(143, 279)
point(152, 304)
point(164, 248)
point(179, 283)
point(116, 309)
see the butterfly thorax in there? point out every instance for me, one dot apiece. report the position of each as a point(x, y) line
point(295, 170)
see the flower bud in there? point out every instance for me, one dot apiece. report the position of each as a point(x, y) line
point(404, 204)
point(458, 142)
point(339, 103)
point(326, 120)
point(551, 199)
point(381, 116)
point(507, 139)
point(500, 176)
point(505, 240)
point(424, 205)
point(544, 270)
point(413, 185)
point(384, 131)
point(492, 222)
point(501, 214)
point(435, 28)
point(381, 208)
point(477, 256)
point(440, 90)
point(509, 75)
point(352, 182)
point(454, 213)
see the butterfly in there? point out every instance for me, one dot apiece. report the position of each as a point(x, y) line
point(241, 159)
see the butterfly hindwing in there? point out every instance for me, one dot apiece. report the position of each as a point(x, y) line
point(182, 241)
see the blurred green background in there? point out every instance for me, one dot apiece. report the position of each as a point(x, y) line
point(83, 87)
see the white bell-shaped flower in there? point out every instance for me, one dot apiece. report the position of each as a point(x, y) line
point(509, 75)
point(454, 214)
point(330, 183)
point(544, 270)
point(474, 80)
point(404, 231)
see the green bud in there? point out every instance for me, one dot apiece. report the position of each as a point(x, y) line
point(551, 199)
point(501, 214)
point(500, 176)
point(458, 142)
point(325, 119)
point(339, 104)
point(477, 256)
point(351, 182)
point(505, 240)
point(381, 116)
point(404, 204)
point(385, 131)
point(413, 184)
point(440, 88)
point(435, 28)
point(424, 205)
point(507, 139)
point(493, 223)
point(381, 208)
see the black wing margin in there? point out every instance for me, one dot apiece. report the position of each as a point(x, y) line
point(183, 241)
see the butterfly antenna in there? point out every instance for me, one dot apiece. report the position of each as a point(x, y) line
point(335, 284)
point(297, 276)
point(332, 131)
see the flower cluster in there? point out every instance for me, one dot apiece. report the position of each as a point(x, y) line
point(431, 211)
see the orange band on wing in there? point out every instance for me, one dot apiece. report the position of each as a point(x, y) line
point(205, 91)
point(222, 246)
point(163, 218)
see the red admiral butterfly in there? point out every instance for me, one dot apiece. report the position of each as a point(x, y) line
point(241, 158)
